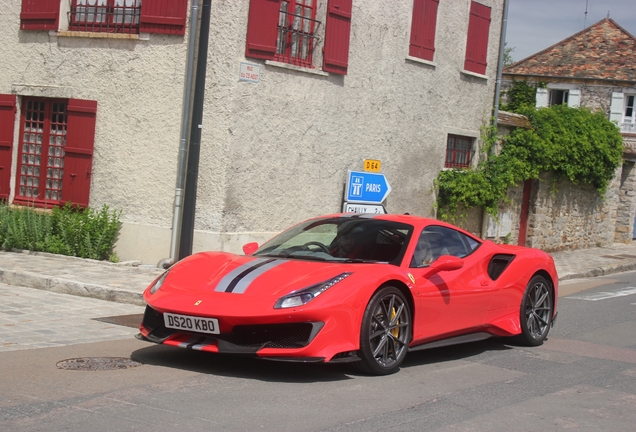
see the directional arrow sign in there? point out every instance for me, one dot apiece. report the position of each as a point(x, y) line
point(366, 187)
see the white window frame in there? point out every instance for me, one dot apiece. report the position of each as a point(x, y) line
point(571, 96)
point(621, 104)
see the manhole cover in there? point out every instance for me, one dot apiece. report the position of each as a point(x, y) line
point(97, 363)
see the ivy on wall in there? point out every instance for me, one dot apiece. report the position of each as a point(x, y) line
point(574, 143)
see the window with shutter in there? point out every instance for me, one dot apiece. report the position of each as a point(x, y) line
point(337, 34)
point(7, 123)
point(477, 42)
point(423, 26)
point(129, 16)
point(55, 151)
point(40, 14)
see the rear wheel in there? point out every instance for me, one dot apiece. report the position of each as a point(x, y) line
point(536, 311)
point(385, 332)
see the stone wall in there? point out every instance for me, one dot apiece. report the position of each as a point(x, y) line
point(624, 232)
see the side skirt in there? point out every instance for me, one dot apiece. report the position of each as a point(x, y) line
point(473, 337)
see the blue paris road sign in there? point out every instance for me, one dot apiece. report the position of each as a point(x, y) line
point(366, 187)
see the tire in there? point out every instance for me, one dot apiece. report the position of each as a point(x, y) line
point(385, 333)
point(536, 312)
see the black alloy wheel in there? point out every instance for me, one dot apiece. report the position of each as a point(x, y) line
point(536, 311)
point(385, 332)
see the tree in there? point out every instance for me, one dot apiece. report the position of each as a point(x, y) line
point(508, 60)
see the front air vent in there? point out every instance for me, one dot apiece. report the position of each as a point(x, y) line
point(498, 264)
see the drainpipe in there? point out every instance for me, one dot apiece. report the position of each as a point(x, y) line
point(502, 47)
point(186, 112)
point(192, 171)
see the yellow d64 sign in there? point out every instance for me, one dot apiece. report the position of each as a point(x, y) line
point(372, 165)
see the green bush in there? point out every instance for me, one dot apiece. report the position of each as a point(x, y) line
point(67, 230)
point(574, 143)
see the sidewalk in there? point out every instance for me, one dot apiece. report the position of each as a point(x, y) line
point(125, 282)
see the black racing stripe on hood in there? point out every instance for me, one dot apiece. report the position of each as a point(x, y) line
point(238, 278)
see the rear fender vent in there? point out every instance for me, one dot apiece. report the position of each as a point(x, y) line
point(498, 264)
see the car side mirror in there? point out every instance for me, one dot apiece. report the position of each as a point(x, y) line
point(250, 248)
point(446, 263)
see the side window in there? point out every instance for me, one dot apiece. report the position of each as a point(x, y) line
point(459, 150)
point(436, 241)
point(424, 21)
point(477, 41)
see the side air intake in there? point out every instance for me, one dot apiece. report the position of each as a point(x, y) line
point(498, 264)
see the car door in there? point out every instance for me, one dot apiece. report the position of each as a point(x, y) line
point(448, 302)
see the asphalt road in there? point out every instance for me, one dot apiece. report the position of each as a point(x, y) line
point(582, 378)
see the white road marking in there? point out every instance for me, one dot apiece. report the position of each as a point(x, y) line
point(605, 295)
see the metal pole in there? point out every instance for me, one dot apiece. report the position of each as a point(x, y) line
point(186, 112)
point(502, 47)
point(190, 197)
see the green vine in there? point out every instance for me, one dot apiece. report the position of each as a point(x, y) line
point(574, 143)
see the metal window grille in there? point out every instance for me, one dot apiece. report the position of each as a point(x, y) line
point(459, 150)
point(41, 159)
point(296, 32)
point(109, 16)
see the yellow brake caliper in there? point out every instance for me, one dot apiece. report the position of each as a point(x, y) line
point(396, 331)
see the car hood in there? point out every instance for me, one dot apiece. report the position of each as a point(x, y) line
point(220, 273)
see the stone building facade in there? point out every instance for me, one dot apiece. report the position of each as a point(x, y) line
point(297, 94)
point(592, 68)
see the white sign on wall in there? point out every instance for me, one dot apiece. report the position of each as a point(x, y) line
point(250, 72)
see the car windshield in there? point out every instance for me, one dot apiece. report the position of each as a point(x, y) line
point(341, 239)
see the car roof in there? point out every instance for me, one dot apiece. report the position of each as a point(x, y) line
point(417, 221)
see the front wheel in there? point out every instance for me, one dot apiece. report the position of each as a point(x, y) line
point(385, 332)
point(536, 311)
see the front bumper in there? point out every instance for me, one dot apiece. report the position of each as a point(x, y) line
point(286, 341)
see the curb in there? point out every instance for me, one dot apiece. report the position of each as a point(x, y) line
point(64, 286)
point(600, 271)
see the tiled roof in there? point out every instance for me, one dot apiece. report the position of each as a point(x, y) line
point(601, 51)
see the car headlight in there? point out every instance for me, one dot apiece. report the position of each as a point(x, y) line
point(158, 282)
point(305, 295)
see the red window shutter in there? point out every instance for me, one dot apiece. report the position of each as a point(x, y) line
point(262, 29)
point(163, 16)
point(423, 29)
point(78, 153)
point(7, 122)
point(337, 33)
point(477, 44)
point(39, 14)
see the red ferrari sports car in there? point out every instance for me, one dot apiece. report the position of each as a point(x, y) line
point(353, 288)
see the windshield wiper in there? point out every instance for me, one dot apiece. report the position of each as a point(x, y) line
point(363, 261)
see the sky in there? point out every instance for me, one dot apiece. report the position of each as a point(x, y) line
point(534, 25)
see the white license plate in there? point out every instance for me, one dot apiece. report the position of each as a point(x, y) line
point(191, 323)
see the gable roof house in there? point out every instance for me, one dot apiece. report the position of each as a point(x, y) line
point(596, 68)
point(297, 94)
